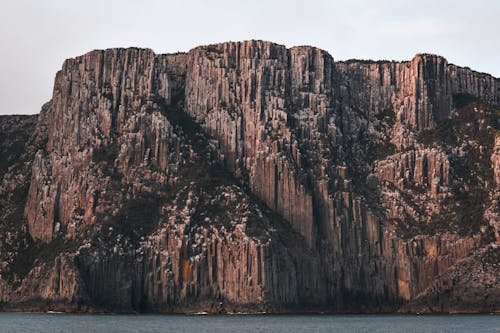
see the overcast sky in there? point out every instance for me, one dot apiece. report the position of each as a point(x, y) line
point(37, 35)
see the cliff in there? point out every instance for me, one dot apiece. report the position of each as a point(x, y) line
point(246, 176)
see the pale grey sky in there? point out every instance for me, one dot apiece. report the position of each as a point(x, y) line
point(37, 35)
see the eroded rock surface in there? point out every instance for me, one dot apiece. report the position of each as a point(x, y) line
point(248, 176)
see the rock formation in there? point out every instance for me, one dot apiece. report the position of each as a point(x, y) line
point(246, 176)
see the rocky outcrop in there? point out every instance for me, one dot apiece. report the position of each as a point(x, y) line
point(248, 176)
point(495, 160)
point(419, 92)
point(457, 289)
point(480, 85)
point(493, 212)
point(97, 97)
point(239, 93)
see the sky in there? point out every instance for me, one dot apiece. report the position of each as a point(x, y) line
point(36, 36)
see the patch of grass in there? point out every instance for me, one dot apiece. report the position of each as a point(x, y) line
point(471, 120)
point(38, 251)
point(136, 218)
point(461, 100)
point(492, 256)
point(366, 61)
point(387, 116)
point(473, 125)
point(214, 49)
point(15, 132)
point(107, 153)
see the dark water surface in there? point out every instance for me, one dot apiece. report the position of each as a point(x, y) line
point(55, 323)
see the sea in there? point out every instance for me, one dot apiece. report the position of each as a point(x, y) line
point(246, 323)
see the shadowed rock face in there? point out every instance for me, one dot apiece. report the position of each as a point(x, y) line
point(248, 176)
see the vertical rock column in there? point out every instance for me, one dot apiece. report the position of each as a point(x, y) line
point(94, 97)
point(238, 93)
point(424, 91)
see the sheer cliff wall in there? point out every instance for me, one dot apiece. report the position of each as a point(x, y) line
point(252, 176)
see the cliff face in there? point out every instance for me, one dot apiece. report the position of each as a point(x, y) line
point(248, 176)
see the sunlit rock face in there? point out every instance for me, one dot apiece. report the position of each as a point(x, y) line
point(246, 176)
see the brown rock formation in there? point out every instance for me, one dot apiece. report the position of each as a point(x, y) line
point(248, 176)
